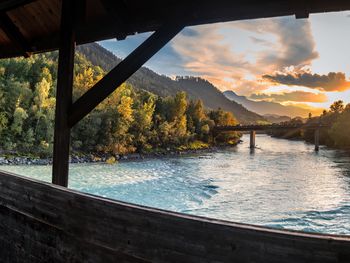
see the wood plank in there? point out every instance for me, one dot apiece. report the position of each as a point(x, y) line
point(14, 34)
point(7, 5)
point(60, 165)
point(118, 14)
point(102, 89)
point(50, 223)
point(150, 15)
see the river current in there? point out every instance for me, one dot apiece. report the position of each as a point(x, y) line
point(281, 184)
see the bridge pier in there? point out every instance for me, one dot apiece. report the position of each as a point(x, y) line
point(317, 140)
point(252, 139)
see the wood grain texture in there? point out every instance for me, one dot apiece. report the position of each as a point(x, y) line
point(39, 21)
point(64, 91)
point(40, 222)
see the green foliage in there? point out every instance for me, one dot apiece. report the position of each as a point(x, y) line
point(146, 79)
point(340, 131)
point(195, 145)
point(128, 120)
point(336, 134)
point(18, 119)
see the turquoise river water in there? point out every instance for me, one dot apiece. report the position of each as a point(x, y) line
point(282, 184)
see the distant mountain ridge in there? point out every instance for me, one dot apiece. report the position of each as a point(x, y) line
point(266, 107)
point(161, 85)
point(274, 118)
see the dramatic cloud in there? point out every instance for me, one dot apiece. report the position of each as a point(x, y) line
point(333, 81)
point(205, 54)
point(293, 43)
point(243, 86)
point(295, 96)
point(226, 54)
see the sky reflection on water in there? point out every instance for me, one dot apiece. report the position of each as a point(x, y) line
point(282, 184)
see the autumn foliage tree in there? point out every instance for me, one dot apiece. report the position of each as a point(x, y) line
point(129, 120)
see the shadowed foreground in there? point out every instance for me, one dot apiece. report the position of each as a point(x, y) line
point(40, 222)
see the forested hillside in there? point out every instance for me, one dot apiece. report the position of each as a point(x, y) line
point(196, 88)
point(130, 120)
point(337, 134)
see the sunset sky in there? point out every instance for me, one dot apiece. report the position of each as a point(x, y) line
point(304, 62)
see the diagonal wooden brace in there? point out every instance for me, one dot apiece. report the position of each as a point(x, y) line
point(102, 89)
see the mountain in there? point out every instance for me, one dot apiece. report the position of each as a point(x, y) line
point(198, 88)
point(146, 79)
point(266, 107)
point(273, 118)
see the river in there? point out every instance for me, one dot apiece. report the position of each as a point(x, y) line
point(282, 184)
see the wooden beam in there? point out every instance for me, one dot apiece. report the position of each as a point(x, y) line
point(118, 14)
point(64, 95)
point(121, 72)
point(14, 34)
point(302, 15)
point(80, 19)
point(7, 5)
point(52, 224)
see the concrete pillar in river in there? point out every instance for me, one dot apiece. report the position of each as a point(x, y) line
point(317, 140)
point(252, 139)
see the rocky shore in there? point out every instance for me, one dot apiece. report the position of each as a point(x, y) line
point(103, 158)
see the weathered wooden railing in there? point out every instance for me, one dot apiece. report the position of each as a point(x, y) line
point(40, 222)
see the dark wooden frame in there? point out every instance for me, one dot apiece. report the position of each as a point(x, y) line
point(14, 34)
point(68, 114)
point(102, 89)
point(42, 222)
point(60, 165)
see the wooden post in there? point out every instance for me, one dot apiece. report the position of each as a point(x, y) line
point(317, 139)
point(252, 139)
point(64, 95)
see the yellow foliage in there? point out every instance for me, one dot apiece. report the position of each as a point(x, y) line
point(125, 108)
point(111, 160)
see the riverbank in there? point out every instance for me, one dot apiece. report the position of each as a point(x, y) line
point(274, 186)
point(109, 158)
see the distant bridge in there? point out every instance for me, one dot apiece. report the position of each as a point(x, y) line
point(255, 127)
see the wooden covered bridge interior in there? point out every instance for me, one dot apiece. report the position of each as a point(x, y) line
point(41, 222)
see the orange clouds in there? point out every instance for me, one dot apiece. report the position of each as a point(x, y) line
point(295, 96)
point(256, 56)
point(227, 53)
point(333, 81)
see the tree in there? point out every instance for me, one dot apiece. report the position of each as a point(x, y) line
point(129, 119)
point(3, 123)
point(122, 140)
point(196, 113)
point(3, 117)
point(44, 111)
point(83, 81)
point(179, 106)
point(18, 118)
point(223, 118)
point(337, 106)
point(143, 117)
point(340, 130)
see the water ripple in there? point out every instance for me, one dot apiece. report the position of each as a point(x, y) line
point(282, 184)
